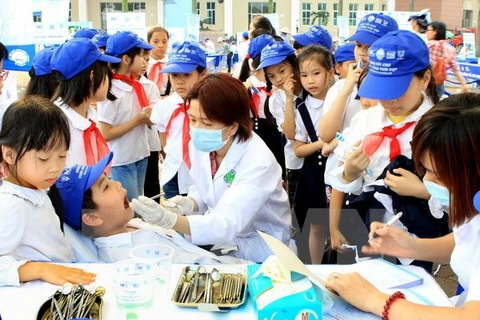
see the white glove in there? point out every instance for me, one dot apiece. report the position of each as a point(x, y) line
point(180, 205)
point(153, 213)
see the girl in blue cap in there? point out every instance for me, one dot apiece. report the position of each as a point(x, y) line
point(83, 76)
point(400, 77)
point(34, 155)
point(124, 121)
point(279, 62)
point(315, 64)
point(42, 81)
point(254, 80)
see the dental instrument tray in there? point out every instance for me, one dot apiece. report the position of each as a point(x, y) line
point(72, 301)
point(211, 288)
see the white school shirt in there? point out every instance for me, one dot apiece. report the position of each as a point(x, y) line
point(153, 96)
point(163, 63)
point(29, 231)
point(465, 259)
point(133, 145)
point(77, 124)
point(315, 109)
point(353, 106)
point(370, 121)
point(263, 95)
point(173, 162)
point(277, 105)
point(245, 195)
point(117, 247)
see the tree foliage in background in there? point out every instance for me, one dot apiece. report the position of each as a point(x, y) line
point(124, 5)
point(321, 16)
point(270, 6)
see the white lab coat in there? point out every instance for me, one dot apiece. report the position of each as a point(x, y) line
point(231, 213)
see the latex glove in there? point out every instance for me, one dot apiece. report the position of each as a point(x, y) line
point(180, 205)
point(153, 213)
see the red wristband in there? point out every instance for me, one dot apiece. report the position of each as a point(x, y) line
point(390, 300)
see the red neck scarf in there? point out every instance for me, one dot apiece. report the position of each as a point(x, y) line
point(155, 74)
point(95, 145)
point(137, 87)
point(372, 142)
point(255, 100)
point(182, 108)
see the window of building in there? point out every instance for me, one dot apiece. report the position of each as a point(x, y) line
point(258, 8)
point(335, 14)
point(384, 7)
point(467, 18)
point(211, 12)
point(70, 11)
point(198, 8)
point(117, 7)
point(369, 7)
point(322, 7)
point(37, 16)
point(352, 14)
point(306, 11)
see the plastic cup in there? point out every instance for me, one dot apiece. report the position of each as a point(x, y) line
point(134, 284)
point(157, 254)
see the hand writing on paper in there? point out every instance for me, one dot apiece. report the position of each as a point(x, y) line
point(406, 183)
point(391, 241)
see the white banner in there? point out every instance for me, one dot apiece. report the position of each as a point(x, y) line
point(400, 16)
point(273, 17)
point(343, 28)
point(468, 44)
point(127, 21)
point(57, 33)
point(193, 27)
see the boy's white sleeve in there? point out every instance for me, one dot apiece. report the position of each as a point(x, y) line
point(277, 109)
point(107, 111)
point(9, 271)
point(332, 94)
point(158, 115)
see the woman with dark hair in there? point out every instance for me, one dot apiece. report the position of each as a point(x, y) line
point(237, 183)
point(440, 49)
point(261, 22)
point(444, 147)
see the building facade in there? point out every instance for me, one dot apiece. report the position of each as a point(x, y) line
point(229, 17)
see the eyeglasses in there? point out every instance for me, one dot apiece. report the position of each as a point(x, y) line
point(4, 75)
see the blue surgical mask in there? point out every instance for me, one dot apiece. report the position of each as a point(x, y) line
point(208, 140)
point(438, 192)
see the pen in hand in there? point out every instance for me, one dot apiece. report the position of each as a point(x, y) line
point(388, 224)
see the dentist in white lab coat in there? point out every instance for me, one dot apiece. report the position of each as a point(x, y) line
point(237, 183)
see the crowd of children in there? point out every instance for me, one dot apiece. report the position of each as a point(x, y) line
point(322, 141)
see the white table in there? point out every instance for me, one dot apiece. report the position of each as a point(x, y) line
point(22, 303)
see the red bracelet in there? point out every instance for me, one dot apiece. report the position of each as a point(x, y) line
point(388, 304)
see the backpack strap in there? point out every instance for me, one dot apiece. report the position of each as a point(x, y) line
point(307, 121)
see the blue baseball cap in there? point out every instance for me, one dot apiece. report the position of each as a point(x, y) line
point(245, 34)
point(315, 35)
point(258, 43)
point(42, 62)
point(345, 53)
point(75, 55)
point(101, 39)
point(275, 53)
point(394, 59)
point(185, 58)
point(476, 201)
point(88, 33)
point(122, 41)
point(72, 184)
point(372, 27)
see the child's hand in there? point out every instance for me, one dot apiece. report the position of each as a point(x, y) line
point(337, 239)
point(406, 183)
point(352, 77)
point(143, 117)
point(59, 275)
point(355, 163)
point(289, 87)
point(329, 147)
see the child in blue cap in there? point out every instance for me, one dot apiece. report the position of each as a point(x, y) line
point(100, 40)
point(42, 81)
point(279, 62)
point(124, 121)
point(344, 57)
point(314, 35)
point(186, 66)
point(400, 77)
point(83, 72)
point(98, 207)
point(254, 80)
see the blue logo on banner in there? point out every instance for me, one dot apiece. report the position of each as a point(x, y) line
point(19, 57)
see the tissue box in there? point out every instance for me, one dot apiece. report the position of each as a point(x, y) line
point(298, 300)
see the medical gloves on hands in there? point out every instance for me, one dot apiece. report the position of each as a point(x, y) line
point(180, 205)
point(154, 213)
